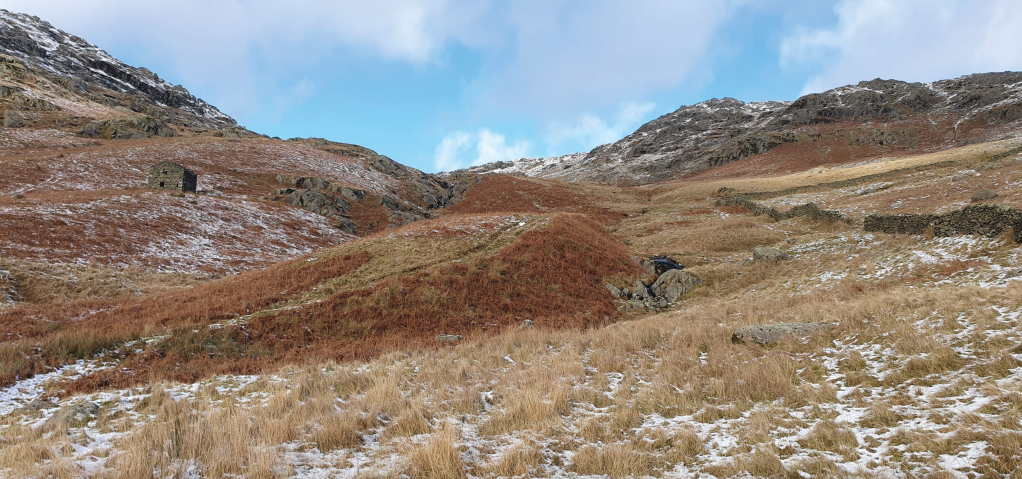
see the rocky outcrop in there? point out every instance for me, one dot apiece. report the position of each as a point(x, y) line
point(982, 219)
point(128, 129)
point(34, 52)
point(426, 191)
point(673, 284)
point(764, 334)
point(768, 254)
point(666, 290)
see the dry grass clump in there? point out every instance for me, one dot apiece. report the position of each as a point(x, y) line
point(830, 436)
point(881, 415)
point(522, 460)
point(437, 458)
point(614, 460)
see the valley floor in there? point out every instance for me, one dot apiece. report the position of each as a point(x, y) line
point(921, 376)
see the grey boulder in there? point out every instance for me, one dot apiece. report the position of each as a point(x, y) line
point(766, 253)
point(983, 195)
point(673, 284)
point(772, 333)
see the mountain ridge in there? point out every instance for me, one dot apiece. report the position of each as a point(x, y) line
point(877, 116)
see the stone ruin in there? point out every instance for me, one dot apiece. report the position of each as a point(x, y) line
point(166, 175)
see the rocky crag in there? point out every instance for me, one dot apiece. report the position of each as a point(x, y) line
point(52, 78)
point(870, 118)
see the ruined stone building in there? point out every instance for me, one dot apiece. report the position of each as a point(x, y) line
point(172, 176)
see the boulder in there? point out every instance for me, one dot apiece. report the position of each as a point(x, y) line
point(640, 292)
point(448, 338)
point(772, 333)
point(673, 284)
point(613, 290)
point(766, 253)
point(983, 195)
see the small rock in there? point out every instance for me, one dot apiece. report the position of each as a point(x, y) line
point(527, 324)
point(18, 196)
point(772, 333)
point(983, 195)
point(450, 338)
point(766, 253)
point(39, 404)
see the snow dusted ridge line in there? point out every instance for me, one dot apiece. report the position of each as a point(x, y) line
point(48, 49)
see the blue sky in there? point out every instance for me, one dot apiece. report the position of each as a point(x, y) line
point(441, 84)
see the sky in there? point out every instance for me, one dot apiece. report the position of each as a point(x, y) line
point(446, 84)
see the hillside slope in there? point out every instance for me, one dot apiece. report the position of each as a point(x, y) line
point(848, 124)
point(81, 130)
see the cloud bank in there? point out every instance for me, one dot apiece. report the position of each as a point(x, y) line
point(911, 40)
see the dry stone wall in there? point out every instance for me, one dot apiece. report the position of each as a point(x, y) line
point(986, 220)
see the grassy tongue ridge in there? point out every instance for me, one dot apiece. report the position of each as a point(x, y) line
point(352, 302)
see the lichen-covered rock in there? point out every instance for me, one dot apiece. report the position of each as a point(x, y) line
point(766, 253)
point(673, 284)
point(983, 195)
point(772, 333)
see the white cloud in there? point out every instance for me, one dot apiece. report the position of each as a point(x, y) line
point(492, 147)
point(911, 40)
point(538, 56)
point(451, 153)
point(590, 131)
point(241, 51)
point(449, 149)
point(577, 55)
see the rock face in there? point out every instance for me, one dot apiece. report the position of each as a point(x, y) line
point(766, 253)
point(772, 333)
point(983, 195)
point(673, 284)
point(877, 114)
point(32, 48)
point(984, 219)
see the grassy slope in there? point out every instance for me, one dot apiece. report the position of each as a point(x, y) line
point(920, 377)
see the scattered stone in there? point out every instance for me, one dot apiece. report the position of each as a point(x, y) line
point(772, 333)
point(673, 284)
point(983, 195)
point(766, 253)
point(75, 416)
point(614, 291)
point(39, 404)
point(449, 338)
